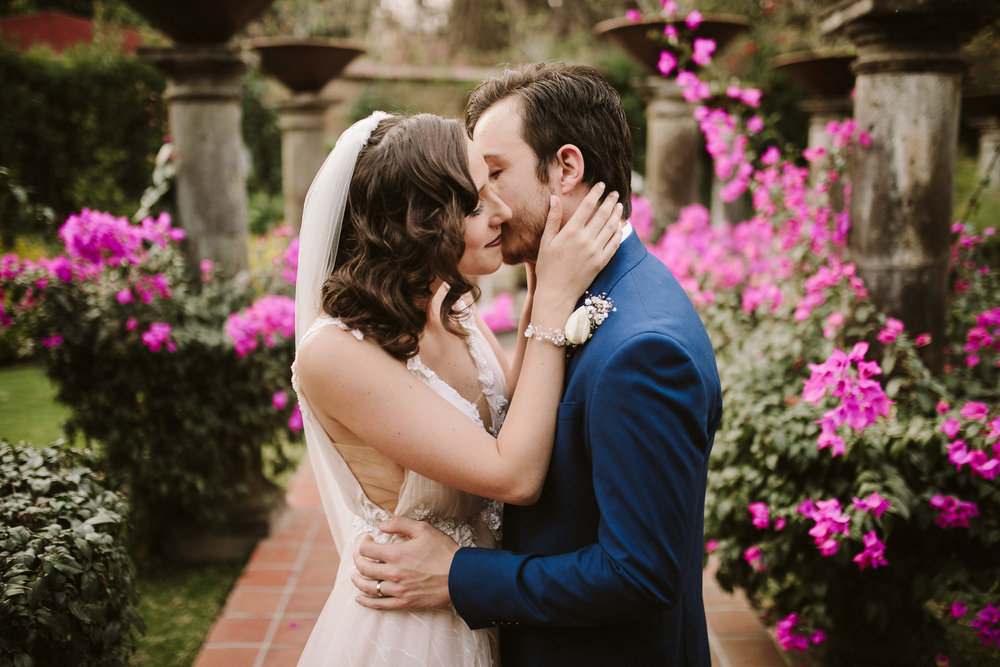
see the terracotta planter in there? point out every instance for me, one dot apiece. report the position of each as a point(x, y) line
point(199, 21)
point(822, 75)
point(303, 65)
point(643, 40)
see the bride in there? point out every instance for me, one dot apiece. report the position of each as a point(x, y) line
point(403, 388)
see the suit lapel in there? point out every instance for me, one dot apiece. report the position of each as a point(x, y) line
point(630, 253)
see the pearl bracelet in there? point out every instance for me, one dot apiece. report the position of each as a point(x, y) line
point(555, 336)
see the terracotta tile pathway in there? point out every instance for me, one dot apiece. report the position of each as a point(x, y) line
point(274, 604)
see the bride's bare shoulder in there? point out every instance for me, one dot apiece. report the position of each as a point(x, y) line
point(334, 351)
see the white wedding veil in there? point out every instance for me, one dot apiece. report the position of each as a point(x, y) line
point(323, 219)
point(319, 238)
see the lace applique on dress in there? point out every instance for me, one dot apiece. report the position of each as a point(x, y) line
point(492, 517)
point(497, 401)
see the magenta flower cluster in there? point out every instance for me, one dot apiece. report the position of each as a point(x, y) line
point(846, 376)
point(952, 511)
point(984, 462)
point(830, 521)
point(266, 319)
point(987, 625)
point(95, 240)
point(788, 639)
point(499, 314)
point(984, 337)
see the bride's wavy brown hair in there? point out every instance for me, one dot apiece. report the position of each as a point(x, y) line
point(404, 226)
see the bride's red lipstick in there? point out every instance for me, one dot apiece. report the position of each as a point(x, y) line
point(495, 242)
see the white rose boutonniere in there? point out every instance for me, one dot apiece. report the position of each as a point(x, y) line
point(578, 326)
point(584, 321)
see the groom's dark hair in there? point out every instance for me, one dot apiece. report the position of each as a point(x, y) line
point(565, 104)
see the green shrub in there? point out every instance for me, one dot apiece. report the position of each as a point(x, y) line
point(80, 129)
point(67, 581)
point(153, 380)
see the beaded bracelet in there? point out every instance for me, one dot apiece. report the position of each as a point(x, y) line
point(555, 336)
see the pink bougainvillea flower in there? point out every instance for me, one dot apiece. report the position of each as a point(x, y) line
point(52, 341)
point(893, 328)
point(974, 411)
point(131, 324)
point(124, 296)
point(951, 427)
point(872, 503)
point(761, 515)
point(670, 30)
point(703, 50)
point(985, 624)
point(953, 512)
point(864, 138)
point(771, 155)
point(711, 546)
point(958, 609)
point(753, 556)
point(667, 62)
point(669, 6)
point(634, 15)
point(813, 153)
point(158, 336)
point(872, 556)
point(751, 97)
point(755, 124)
point(694, 19)
point(942, 407)
point(279, 400)
point(295, 421)
point(642, 217)
point(787, 639)
point(833, 322)
point(499, 315)
point(923, 340)
point(267, 319)
point(779, 523)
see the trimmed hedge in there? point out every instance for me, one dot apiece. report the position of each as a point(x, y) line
point(67, 582)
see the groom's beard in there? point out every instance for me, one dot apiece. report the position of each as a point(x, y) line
point(520, 244)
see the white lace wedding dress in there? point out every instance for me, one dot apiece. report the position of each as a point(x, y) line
point(347, 633)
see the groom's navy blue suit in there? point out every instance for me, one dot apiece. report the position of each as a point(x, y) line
point(606, 568)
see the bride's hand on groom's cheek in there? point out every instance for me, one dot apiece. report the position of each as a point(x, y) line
point(413, 573)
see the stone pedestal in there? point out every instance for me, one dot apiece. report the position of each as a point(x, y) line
point(673, 145)
point(989, 151)
point(982, 112)
point(907, 97)
point(303, 149)
point(203, 103)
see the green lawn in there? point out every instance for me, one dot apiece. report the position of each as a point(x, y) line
point(28, 409)
point(179, 608)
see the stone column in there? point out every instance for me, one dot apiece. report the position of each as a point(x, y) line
point(989, 150)
point(303, 149)
point(907, 97)
point(673, 145)
point(203, 104)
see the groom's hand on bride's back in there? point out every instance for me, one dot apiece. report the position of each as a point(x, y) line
point(413, 573)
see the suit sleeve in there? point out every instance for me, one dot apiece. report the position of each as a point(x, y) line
point(647, 423)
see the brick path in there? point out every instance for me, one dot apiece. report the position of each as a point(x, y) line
point(274, 604)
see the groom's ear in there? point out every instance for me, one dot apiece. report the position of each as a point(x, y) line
point(568, 166)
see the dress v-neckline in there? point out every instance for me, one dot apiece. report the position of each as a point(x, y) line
point(417, 364)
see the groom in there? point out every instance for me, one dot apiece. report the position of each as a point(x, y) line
point(606, 567)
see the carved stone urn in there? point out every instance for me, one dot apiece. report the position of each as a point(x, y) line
point(304, 66)
point(673, 139)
